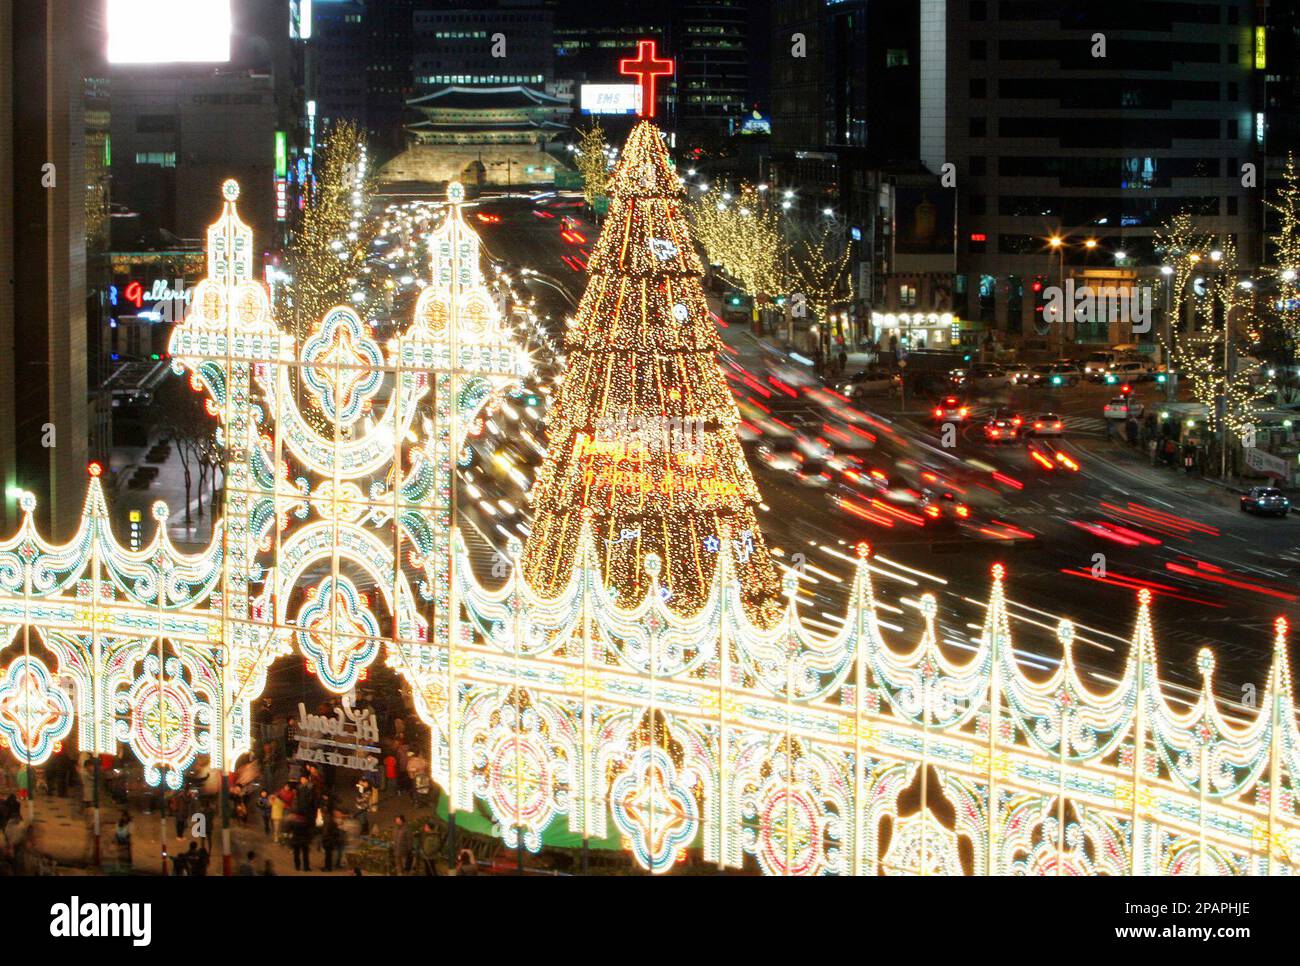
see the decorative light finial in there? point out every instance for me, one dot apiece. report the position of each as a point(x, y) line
point(455, 193)
point(646, 67)
point(1144, 596)
point(864, 550)
point(230, 189)
point(999, 571)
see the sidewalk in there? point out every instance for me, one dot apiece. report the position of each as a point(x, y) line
point(169, 487)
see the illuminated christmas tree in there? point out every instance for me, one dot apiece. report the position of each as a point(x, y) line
point(643, 433)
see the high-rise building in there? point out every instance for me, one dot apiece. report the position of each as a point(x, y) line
point(46, 411)
point(709, 39)
point(1090, 122)
point(485, 45)
point(389, 58)
point(338, 55)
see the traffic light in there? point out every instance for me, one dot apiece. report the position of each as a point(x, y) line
point(1111, 380)
point(735, 300)
point(1126, 390)
point(1160, 378)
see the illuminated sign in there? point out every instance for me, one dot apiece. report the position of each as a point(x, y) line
point(154, 32)
point(281, 155)
point(158, 291)
point(1261, 58)
point(281, 199)
point(300, 19)
point(610, 98)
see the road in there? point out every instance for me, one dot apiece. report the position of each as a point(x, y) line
point(1076, 544)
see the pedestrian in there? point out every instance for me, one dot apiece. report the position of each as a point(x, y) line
point(362, 805)
point(88, 784)
point(122, 837)
point(188, 864)
point(390, 770)
point(429, 847)
point(285, 798)
point(465, 863)
point(400, 848)
point(268, 868)
point(331, 842)
point(246, 867)
point(175, 808)
point(300, 840)
point(264, 808)
point(201, 863)
point(843, 360)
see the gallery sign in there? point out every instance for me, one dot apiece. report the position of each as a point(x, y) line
point(349, 738)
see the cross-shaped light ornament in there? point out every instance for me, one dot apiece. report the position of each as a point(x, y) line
point(646, 66)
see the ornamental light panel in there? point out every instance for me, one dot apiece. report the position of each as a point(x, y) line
point(736, 735)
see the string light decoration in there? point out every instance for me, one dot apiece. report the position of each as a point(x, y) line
point(743, 237)
point(1284, 306)
point(593, 161)
point(642, 351)
point(1198, 353)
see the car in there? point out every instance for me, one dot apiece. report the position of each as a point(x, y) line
point(868, 382)
point(1122, 407)
point(951, 409)
point(1064, 373)
point(1265, 500)
point(1127, 372)
point(813, 474)
point(1020, 375)
point(1045, 424)
point(1097, 364)
point(1003, 426)
point(780, 454)
point(943, 509)
point(983, 376)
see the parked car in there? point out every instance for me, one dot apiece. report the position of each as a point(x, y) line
point(1122, 407)
point(1265, 500)
point(1004, 426)
point(1045, 424)
point(951, 409)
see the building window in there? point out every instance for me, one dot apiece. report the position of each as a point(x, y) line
point(906, 296)
point(978, 50)
point(896, 57)
point(979, 10)
point(979, 127)
point(164, 159)
point(977, 165)
point(978, 87)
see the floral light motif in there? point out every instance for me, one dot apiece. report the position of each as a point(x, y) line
point(35, 713)
point(345, 367)
point(337, 633)
point(163, 721)
point(652, 809)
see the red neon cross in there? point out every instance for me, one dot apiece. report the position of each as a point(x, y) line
point(647, 66)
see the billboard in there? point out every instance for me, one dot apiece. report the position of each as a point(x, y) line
point(610, 98)
point(168, 31)
point(923, 221)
